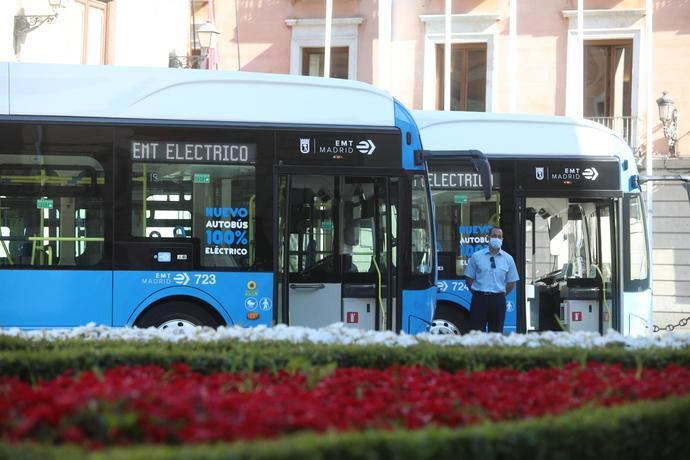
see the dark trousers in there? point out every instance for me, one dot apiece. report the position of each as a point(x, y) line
point(487, 309)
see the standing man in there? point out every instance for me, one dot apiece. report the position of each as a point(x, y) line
point(491, 275)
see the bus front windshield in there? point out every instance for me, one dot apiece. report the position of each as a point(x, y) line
point(463, 221)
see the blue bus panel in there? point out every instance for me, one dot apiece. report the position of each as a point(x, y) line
point(236, 296)
point(418, 308)
point(456, 291)
point(55, 298)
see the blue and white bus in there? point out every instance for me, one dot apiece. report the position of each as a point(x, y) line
point(566, 193)
point(171, 198)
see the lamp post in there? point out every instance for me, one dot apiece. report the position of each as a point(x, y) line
point(25, 23)
point(668, 115)
point(208, 36)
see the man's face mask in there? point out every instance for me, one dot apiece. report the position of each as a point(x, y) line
point(495, 243)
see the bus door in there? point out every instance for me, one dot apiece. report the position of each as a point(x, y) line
point(334, 241)
point(570, 264)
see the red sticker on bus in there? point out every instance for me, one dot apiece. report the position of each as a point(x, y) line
point(577, 316)
point(352, 317)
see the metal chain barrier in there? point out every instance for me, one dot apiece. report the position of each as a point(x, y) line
point(670, 327)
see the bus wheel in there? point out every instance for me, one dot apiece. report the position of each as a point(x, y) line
point(450, 320)
point(177, 315)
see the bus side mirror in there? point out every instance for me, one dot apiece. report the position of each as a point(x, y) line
point(481, 164)
point(638, 180)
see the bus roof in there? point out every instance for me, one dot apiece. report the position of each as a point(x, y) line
point(189, 95)
point(519, 135)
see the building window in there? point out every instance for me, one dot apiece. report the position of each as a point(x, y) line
point(605, 86)
point(607, 79)
point(307, 46)
point(94, 30)
point(467, 77)
point(313, 60)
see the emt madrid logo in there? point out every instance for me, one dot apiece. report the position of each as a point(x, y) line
point(366, 147)
point(305, 146)
point(590, 173)
point(539, 172)
point(337, 147)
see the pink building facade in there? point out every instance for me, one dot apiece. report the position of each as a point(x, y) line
point(535, 67)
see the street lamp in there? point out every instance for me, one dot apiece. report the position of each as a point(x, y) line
point(25, 23)
point(668, 115)
point(208, 36)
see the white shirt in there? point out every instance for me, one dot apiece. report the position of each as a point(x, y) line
point(488, 276)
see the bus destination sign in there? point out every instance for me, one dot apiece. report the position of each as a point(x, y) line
point(365, 149)
point(451, 180)
point(569, 174)
point(192, 152)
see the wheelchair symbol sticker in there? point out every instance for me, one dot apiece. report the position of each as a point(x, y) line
point(250, 303)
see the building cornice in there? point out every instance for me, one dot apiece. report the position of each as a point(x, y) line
point(460, 23)
point(593, 18)
point(321, 21)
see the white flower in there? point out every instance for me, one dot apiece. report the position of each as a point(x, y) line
point(339, 333)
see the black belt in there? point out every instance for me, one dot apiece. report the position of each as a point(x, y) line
point(487, 293)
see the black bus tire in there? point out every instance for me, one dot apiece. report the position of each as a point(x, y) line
point(450, 319)
point(178, 314)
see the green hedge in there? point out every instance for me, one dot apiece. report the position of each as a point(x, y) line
point(644, 430)
point(39, 360)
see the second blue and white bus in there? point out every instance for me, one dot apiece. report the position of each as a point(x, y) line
point(566, 193)
point(170, 197)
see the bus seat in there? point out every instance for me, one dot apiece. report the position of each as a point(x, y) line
point(347, 264)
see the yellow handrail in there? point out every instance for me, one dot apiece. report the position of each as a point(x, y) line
point(49, 250)
point(4, 248)
point(65, 238)
point(144, 193)
point(606, 304)
point(40, 225)
point(250, 230)
point(33, 250)
point(380, 300)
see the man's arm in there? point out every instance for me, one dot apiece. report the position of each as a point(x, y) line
point(470, 272)
point(511, 277)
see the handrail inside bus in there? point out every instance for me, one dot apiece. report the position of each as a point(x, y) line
point(66, 238)
point(479, 162)
point(49, 250)
point(251, 230)
point(379, 298)
point(4, 248)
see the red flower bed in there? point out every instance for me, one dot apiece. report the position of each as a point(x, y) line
point(151, 404)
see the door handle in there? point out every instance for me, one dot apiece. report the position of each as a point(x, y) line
point(308, 286)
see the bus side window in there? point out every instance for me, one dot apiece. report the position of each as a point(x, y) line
point(51, 212)
point(210, 204)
